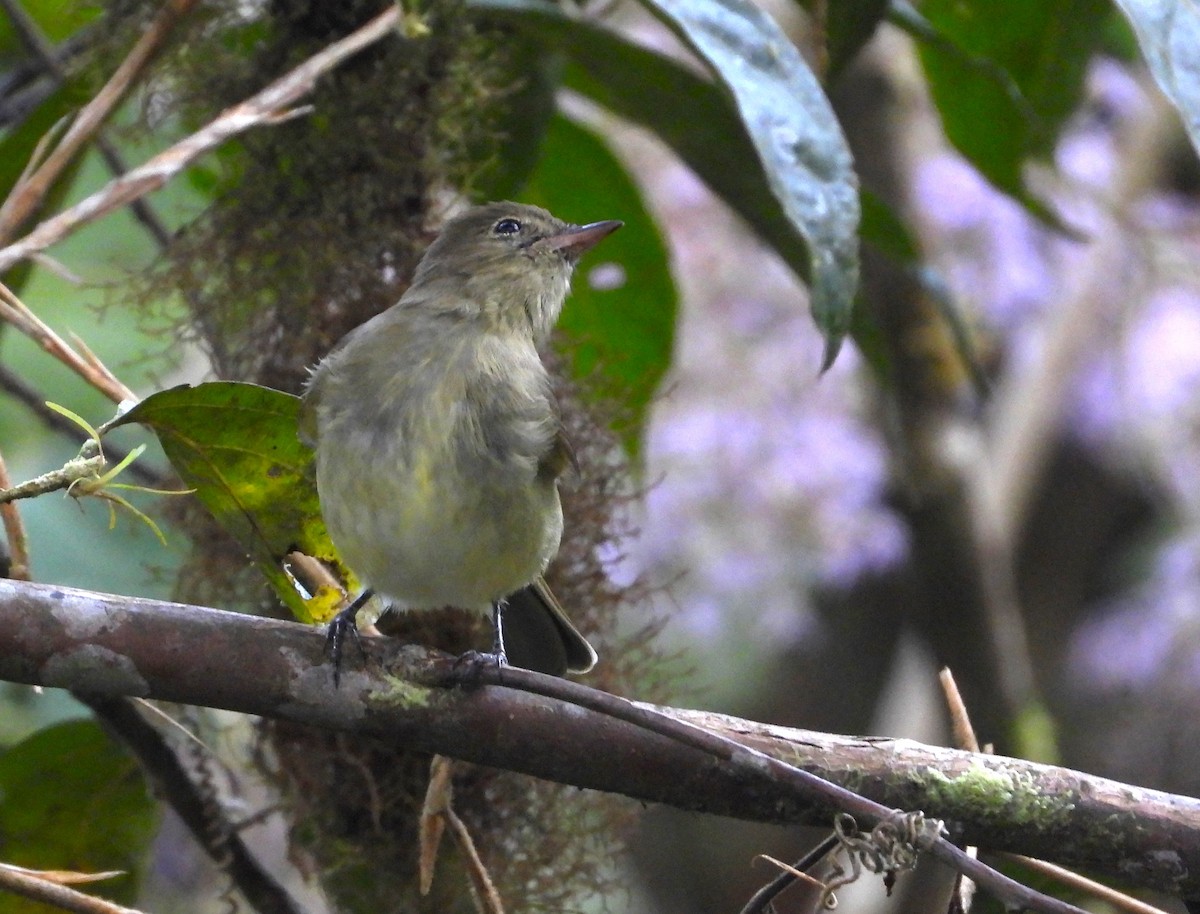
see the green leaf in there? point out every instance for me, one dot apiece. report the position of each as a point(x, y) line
point(792, 182)
point(624, 332)
point(521, 120)
point(799, 143)
point(1005, 77)
point(72, 800)
point(849, 25)
point(237, 446)
point(1168, 32)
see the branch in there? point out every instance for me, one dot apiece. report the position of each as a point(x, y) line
point(31, 190)
point(51, 62)
point(112, 646)
point(223, 845)
point(35, 886)
point(84, 364)
point(269, 106)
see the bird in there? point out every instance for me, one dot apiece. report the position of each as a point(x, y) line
point(438, 441)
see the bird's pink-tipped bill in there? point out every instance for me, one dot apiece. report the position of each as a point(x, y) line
point(576, 240)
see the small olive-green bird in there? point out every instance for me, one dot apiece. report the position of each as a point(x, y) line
point(438, 440)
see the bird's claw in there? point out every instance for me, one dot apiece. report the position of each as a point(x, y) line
point(472, 664)
point(340, 626)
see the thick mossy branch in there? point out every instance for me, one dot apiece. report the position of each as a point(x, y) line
point(124, 646)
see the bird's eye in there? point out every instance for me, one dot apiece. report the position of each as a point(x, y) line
point(507, 227)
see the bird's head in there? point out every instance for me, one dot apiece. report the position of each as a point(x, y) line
point(511, 259)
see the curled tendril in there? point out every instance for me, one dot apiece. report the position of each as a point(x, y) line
point(891, 846)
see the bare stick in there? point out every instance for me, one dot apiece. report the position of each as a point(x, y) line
point(29, 885)
point(264, 108)
point(29, 193)
point(90, 368)
point(14, 532)
point(50, 61)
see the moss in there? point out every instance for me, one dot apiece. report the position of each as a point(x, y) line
point(995, 793)
point(316, 223)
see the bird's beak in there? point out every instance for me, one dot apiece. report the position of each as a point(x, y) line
point(576, 240)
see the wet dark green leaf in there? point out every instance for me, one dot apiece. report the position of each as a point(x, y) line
point(1005, 77)
point(797, 138)
point(237, 446)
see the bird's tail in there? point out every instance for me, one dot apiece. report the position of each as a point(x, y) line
point(539, 636)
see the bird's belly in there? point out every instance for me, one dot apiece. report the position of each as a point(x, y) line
point(425, 540)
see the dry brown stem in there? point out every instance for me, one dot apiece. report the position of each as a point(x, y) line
point(264, 108)
point(14, 532)
point(31, 190)
point(87, 366)
point(27, 884)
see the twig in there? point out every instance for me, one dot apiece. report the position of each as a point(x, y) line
point(50, 63)
point(22, 882)
point(262, 108)
point(71, 472)
point(763, 897)
point(757, 765)
point(173, 783)
point(1074, 880)
point(15, 311)
point(436, 813)
point(960, 720)
point(964, 735)
point(14, 532)
point(35, 401)
point(29, 193)
point(964, 738)
point(487, 899)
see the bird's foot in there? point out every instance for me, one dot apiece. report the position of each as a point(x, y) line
point(471, 665)
point(340, 626)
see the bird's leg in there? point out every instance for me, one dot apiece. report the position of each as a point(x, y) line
point(498, 632)
point(345, 622)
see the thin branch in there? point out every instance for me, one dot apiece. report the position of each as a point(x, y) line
point(14, 532)
point(24, 199)
point(51, 63)
point(111, 645)
point(964, 735)
point(35, 401)
point(26, 884)
point(760, 900)
point(17, 313)
point(206, 823)
point(264, 108)
point(1098, 890)
point(74, 470)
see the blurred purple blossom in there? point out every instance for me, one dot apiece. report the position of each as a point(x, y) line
point(766, 481)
